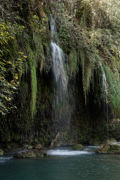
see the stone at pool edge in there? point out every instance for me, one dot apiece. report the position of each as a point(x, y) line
point(31, 154)
point(111, 148)
point(38, 146)
point(77, 147)
point(30, 147)
point(1, 152)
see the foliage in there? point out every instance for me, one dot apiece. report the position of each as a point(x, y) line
point(23, 36)
point(99, 36)
point(28, 52)
point(36, 54)
point(114, 89)
point(11, 64)
point(73, 60)
point(93, 29)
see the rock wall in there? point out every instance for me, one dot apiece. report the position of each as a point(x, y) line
point(84, 32)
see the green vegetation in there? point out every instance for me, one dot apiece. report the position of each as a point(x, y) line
point(78, 147)
point(89, 34)
point(23, 40)
point(11, 64)
point(93, 30)
point(24, 55)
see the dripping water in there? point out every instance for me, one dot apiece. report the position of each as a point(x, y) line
point(61, 113)
point(105, 86)
point(105, 91)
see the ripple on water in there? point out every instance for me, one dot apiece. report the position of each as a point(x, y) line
point(4, 159)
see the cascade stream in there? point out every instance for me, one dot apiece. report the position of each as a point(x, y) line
point(61, 113)
point(105, 91)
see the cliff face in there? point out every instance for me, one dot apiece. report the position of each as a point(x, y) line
point(89, 34)
point(26, 78)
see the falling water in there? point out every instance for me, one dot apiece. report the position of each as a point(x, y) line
point(105, 88)
point(61, 112)
point(58, 66)
point(105, 85)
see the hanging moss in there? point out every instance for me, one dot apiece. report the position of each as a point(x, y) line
point(32, 62)
point(113, 90)
point(34, 90)
point(73, 62)
point(94, 31)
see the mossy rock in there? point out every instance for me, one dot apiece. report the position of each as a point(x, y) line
point(24, 155)
point(40, 154)
point(115, 148)
point(103, 149)
point(110, 148)
point(30, 154)
point(78, 147)
point(1, 152)
point(27, 146)
point(38, 146)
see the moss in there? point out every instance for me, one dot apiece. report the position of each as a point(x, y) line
point(113, 90)
point(93, 33)
point(78, 147)
point(89, 35)
point(110, 149)
point(73, 62)
point(65, 38)
point(33, 90)
point(1, 152)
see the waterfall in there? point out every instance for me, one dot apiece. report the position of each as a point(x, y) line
point(60, 104)
point(104, 82)
point(105, 88)
point(58, 66)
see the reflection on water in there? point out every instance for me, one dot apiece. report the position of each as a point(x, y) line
point(79, 167)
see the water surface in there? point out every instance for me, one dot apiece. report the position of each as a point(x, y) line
point(79, 167)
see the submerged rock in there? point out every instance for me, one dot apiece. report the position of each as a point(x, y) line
point(78, 147)
point(1, 152)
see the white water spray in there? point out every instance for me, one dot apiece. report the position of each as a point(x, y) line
point(67, 153)
point(105, 88)
point(104, 83)
point(60, 104)
point(58, 66)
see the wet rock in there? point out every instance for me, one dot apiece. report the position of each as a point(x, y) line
point(103, 149)
point(111, 148)
point(78, 147)
point(27, 146)
point(40, 154)
point(30, 154)
point(38, 146)
point(1, 152)
point(24, 155)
